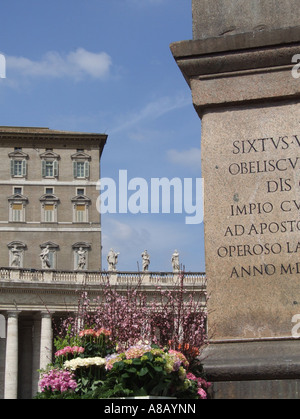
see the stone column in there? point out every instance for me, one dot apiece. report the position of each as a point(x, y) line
point(46, 340)
point(11, 360)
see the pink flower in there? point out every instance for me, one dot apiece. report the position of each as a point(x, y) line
point(103, 332)
point(57, 380)
point(77, 349)
point(202, 394)
point(68, 350)
point(87, 332)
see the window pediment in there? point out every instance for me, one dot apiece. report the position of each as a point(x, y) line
point(81, 156)
point(49, 244)
point(84, 245)
point(18, 198)
point(49, 198)
point(16, 155)
point(81, 199)
point(50, 155)
point(17, 244)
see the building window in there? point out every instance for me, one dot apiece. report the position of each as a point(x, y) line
point(18, 190)
point(49, 213)
point(81, 253)
point(18, 163)
point(81, 205)
point(49, 208)
point(50, 166)
point(17, 205)
point(81, 169)
point(81, 214)
point(17, 212)
point(81, 165)
point(18, 168)
point(49, 169)
point(80, 191)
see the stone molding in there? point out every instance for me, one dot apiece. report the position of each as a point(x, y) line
point(240, 69)
point(261, 359)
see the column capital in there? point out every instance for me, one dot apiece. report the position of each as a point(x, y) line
point(12, 314)
point(46, 314)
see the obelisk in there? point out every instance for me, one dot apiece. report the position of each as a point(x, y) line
point(243, 70)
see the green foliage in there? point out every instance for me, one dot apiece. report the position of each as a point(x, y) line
point(140, 377)
point(67, 340)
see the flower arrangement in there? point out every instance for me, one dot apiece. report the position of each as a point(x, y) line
point(142, 369)
point(100, 348)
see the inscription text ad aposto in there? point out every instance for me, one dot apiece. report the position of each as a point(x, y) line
point(283, 173)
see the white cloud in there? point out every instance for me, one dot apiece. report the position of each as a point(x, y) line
point(74, 65)
point(188, 158)
point(151, 111)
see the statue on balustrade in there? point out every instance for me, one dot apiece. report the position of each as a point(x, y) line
point(81, 259)
point(112, 259)
point(146, 261)
point(16, 257)
point(45, 258)
point(175, 262)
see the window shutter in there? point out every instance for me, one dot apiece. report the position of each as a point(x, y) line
point(24, 168)
point(55, 168)
point(43, 168)
point(87, 169)
point(12, 168)
point(75, 169)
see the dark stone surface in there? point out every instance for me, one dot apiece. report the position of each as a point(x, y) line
point(213, 18)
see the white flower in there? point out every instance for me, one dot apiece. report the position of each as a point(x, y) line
point(84, 362)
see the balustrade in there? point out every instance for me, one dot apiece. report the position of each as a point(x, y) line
point(93, 278)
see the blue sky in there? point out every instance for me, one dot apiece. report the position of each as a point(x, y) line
point(105, 66)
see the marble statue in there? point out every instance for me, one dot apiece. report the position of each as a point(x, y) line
point(81, 259)
point(112, 259)
point(16, 257)
point(146, 261)
point(45, 258)
point(175, 262)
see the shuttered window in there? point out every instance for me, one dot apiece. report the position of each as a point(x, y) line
point(17, 210)
point(80, 213)
point(81, 169)
point(18, 168)
point(49, 213)
point(49, 168)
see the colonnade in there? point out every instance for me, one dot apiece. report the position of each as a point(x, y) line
point(41, 347)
